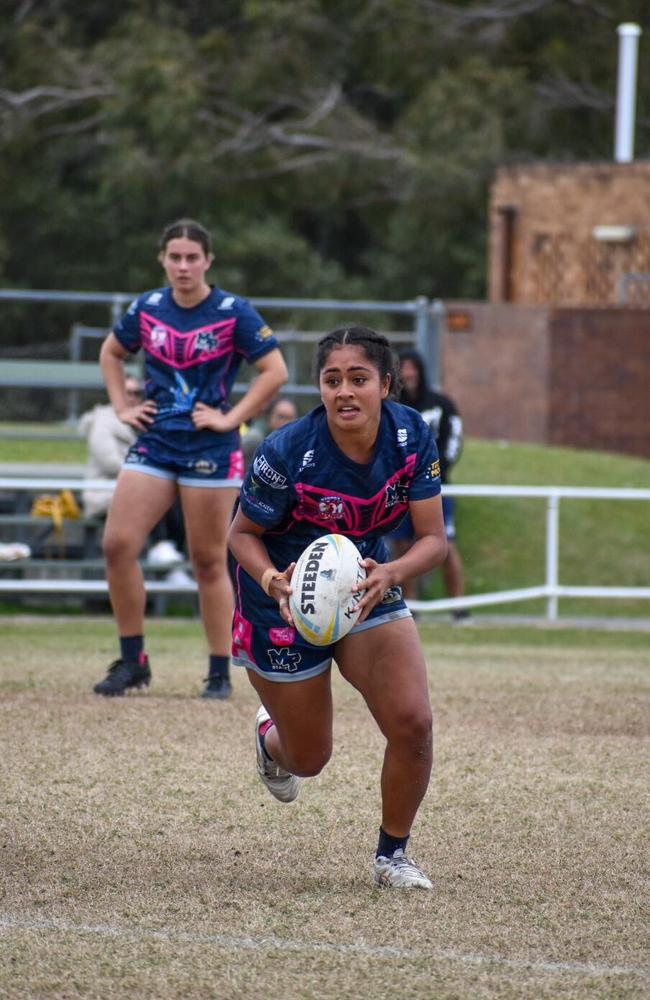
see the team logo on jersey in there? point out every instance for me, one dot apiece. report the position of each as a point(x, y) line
point(158, 336)
point(265, 471)
point(307, 459)
point(402, 436)
point(284, 659)
point(330, 508)
point(227, 303)
point(205, 341)
point(265, 332)
point(434, 470)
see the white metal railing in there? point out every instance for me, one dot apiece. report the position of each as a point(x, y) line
point(551, 589)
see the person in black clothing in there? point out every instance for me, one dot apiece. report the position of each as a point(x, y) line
point(440, 412)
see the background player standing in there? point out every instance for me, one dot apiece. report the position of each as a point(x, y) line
point(442, 415)
point(194, 337)
point(354, 465)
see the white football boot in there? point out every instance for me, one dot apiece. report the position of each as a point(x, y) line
point(282, 784)
point(399, 872)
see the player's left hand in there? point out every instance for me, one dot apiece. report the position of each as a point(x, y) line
point(207, 418)
point(378, 580)
point(280, 589)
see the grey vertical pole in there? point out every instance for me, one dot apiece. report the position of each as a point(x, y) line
point(426, 337)
point(73, 395)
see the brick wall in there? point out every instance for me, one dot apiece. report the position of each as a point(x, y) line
point(599, 390)
point(575, 377)
point(542, 248)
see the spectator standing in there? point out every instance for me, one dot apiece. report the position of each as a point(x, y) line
point(194, 337)
point(442, 415)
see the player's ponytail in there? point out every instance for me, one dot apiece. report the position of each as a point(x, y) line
point(375, 346)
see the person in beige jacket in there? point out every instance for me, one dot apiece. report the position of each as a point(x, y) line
point(108, 440)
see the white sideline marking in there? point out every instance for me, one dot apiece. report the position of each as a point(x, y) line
point(280, 944)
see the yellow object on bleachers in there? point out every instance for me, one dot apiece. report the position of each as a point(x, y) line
point(57, 507)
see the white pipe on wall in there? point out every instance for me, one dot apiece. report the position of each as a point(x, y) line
point(628, 44)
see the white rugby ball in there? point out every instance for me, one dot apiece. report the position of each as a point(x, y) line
point(322, 604)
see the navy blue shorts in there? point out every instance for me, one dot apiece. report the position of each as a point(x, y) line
point(262, 641)
point(197, 458)
point(404, 531)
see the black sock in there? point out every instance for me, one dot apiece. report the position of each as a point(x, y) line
point(131, 647)
point(218, 666)
point(388, 845)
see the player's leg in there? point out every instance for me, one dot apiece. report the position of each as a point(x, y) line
point(138, 503)
point(452, 572)
point(453, 577)
point(300, 737)
point(386, 665)
point(207, 511)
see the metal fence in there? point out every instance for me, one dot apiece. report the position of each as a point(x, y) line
point(550, 589)
point(416, 322)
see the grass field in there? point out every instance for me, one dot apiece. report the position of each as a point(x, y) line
point(142, 858)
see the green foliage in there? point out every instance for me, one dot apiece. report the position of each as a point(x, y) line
point(335, 147)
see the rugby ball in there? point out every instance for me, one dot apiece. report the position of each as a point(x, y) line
point(322, 604)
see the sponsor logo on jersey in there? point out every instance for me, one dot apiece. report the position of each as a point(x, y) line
point(402, 436)
point(434, 470)
point(307, 459)
point(183, 397)
point(254, 501)
point(154, 299)
point(392, 595)
point(284, 659)
point(158, 336)
point(284, 636)
point(309, 577)
point(227, 303)
point(330, 507)
point(205, 467)
point(265, 471)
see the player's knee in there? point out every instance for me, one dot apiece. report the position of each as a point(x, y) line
point(208, 565)
point(413, 730)
point(117, 546)
point(310, 761)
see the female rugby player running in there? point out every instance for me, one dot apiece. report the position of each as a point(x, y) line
point(194, 337)
point(354, 465)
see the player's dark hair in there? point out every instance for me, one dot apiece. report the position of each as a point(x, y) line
point(375, 346)
point(421, 398)
point(191, 230)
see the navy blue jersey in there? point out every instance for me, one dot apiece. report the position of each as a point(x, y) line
point(301, 485)
point(192, 355)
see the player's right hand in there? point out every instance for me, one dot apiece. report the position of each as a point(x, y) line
point(140, 416)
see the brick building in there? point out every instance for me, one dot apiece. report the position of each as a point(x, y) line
point(554, 357)
point(568, 234)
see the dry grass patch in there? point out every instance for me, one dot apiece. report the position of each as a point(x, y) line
point(143, 858)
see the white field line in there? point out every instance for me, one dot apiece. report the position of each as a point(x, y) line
point(280, 944)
